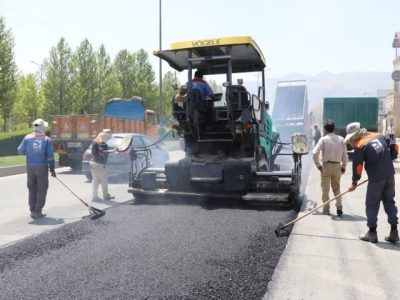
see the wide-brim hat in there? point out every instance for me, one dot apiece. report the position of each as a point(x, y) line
point(351, 130)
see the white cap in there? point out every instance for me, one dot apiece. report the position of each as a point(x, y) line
point(41, 123)
point(351, 130)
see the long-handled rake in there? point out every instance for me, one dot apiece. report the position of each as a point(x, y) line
point(279, 231)
point(95, 213)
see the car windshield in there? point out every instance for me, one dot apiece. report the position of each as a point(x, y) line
point(115, 142)
point(121, 142)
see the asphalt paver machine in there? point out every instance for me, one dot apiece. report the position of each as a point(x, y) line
point(230, 142)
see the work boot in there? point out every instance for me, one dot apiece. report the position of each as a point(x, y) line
point(339, 212)
point(40, 215)
point(37, 215)
point(326, 212)
point(370, 236)
point(109, 197)
point(393, 236)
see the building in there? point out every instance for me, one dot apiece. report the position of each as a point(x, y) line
point(382, 94)
point(393, 100)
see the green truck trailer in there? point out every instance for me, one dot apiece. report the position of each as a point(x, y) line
point(345, 110)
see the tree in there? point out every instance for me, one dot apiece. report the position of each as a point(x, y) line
point(8, 73)
point(214, 86)
point(29, 104)
point(125, 71)
point(144, 82)
point(85, 89)
point(170, 86)
point(58, 84)
point(108, 86)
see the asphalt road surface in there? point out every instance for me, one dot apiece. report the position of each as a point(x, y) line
point(174, 250)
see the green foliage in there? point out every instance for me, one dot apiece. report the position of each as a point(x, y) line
point(84, 100)
point(125, 71)
point(9, 142)
point(144, 80)
point(8, 73)
point(73, 82)
point(13, 160)
point(108, 86)
point(58, 85)
point(29, 103)
point(7, 135)
point(171, 87)
point(215, 87)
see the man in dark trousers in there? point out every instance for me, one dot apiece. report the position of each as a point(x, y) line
point(371, 148)
point(316, 134)
point(38, 149)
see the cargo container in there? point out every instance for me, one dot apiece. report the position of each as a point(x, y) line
point(72, 134)
point(345, 110)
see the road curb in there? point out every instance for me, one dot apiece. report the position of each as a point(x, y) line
point(14, 170)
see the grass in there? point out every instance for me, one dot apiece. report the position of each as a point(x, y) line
point(6, 135)
point(14, 160)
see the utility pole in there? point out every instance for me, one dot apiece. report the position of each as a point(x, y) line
point(160, 110)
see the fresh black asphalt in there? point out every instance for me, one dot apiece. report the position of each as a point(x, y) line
point(150, 251)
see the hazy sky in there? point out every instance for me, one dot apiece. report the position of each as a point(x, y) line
point(303, 36)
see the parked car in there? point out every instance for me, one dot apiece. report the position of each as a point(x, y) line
point(119, 163)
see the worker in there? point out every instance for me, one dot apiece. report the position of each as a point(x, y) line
point(390, 133)
point(334, 161)
point(316, 135)
point(38, 149)
point(98, 165)
point(372, 150)
point(198, 83)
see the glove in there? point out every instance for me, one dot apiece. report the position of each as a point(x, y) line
point(342, 170)
point(53, 173)
point(353, 186)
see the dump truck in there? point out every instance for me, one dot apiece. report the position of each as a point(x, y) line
point(344, 110)
point(290, 113)
point(230, 141)
point(72, 134)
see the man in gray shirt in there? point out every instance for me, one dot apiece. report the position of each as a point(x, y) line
point(333, 152)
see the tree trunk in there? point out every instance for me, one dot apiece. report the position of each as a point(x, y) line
point(4, 123)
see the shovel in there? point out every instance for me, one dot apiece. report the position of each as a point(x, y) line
point(279, 231)
point(95, 213)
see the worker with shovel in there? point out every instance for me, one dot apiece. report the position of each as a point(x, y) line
point(372, 150)
point(98, 166)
